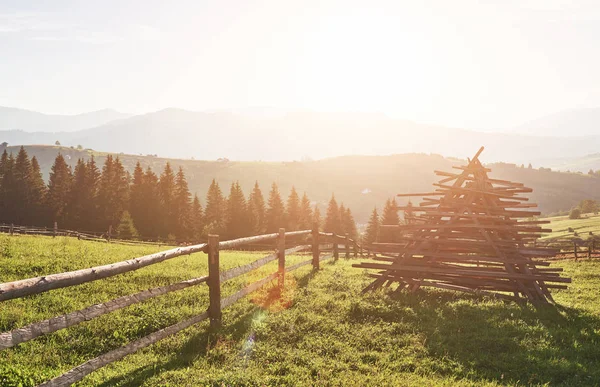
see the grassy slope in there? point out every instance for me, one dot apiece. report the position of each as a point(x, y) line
point(560, 226)
point(348, 177)
point(321, 332)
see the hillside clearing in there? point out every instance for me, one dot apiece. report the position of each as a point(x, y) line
point(322, 331)
point(560, 226)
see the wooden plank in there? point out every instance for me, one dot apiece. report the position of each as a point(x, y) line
point(31, 331)
point(27, 287)
point(79, 372)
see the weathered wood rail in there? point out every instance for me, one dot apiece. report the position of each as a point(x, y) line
point(214, 279)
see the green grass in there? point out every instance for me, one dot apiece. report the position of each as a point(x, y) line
point(560, 226)
point(321, 331)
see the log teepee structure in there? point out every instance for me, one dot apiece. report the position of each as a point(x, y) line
point(471, 234)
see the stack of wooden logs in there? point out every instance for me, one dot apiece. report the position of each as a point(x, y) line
point(472, 234)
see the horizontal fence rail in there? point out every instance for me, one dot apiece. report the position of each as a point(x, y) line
point(31, 286)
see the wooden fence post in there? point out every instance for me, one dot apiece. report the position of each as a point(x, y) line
point(55, 229)
point(575, 249)
point(109, 232)
point(12, 229)
point(281, 257)
point(214, 282)
point(336, 250)
point(315, 246)
point(592, 247)
point(355, 245)
point(589, 246)
point(347, 242)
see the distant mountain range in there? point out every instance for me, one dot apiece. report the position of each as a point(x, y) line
point(30, 121)
point(568, 123)
point(286, 136)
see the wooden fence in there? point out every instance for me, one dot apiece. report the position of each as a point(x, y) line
point(83, 235)
point(215, 277)
point(576, 247)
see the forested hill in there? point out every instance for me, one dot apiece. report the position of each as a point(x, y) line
point(361, 182)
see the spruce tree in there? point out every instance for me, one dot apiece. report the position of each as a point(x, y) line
point(59, 186)
point(38, 194)
point(91, 213)
point(389, 217)
point(137, 207)
point(21, 190)
point(236, 215)
point(349, 224)
point(196, 221)
point(256, 211)
point(293, 211)
point(166, 194)
point(7, 189)
point(306, 217)
point(342, 210)
point(149, 227)
point(77, 196)
point(113, 193)
point(372, 232)
point(182, 207)
point(317, 221)
point(214, 213)
point(332, 218)
point(275, 210)
point(126, 229)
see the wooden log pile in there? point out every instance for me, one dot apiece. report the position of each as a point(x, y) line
point(473, 234)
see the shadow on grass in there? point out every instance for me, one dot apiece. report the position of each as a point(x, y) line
point(495, 341)
point(199, 344)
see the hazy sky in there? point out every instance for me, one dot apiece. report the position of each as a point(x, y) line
point(475, 64)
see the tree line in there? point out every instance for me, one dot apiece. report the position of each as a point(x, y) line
point(149, 206)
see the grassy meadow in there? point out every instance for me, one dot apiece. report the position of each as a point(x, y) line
point(560, 226)
point(320, 331)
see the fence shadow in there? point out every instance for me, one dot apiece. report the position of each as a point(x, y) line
point(199, 344)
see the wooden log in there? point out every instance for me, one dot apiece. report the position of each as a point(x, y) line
point(79, 372)
point(336, 252)
point(315, 244)
point(281, 257)
point(347, 245)
point(55, 229)
point(42, 284)
point(298, 265)
point(31, 331)
point(214, 282)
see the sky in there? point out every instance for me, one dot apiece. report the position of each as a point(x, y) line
point(470, 64)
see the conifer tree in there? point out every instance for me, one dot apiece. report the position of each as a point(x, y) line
point(256, 211)
point(21, 189)
point(332, 218)
point(77, 195)
point(349, 224)
point(166, 194)
point(91, 212)
point(236, 215)
point(125, 228)
point(342, 210)
point(38, 194)
point(196, 220)
point(59, 186)
point(317, 218)
point(149, 227)
point(113, 193)
point(372, 232)
point(306, 216)
point(275, 210)
point(4, 170)
point(214, 213)
point(137, 207)
point(293, 211)
point(182, 207)
point(389, 217)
